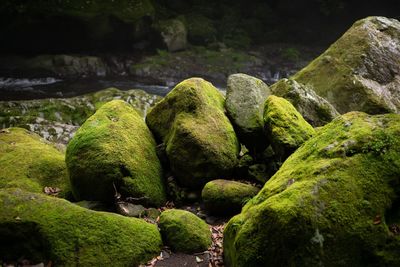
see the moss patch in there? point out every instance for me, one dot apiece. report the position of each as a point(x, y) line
point(114, 146)
point(184, 232)
point(330, 204)
point(49, 229)
point(29, 162)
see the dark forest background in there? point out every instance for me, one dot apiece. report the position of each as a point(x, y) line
point(93, 26)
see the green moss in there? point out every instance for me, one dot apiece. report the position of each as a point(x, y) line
point(226, 197)
point(50, 229)
point(28, 162)
point(114, 146)
point(200, 141)
point(286, 129)
point(329, 202)
point(184, 232)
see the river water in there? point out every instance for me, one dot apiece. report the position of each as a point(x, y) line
point(49, 87)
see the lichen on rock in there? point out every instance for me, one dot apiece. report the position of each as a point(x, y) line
point(332, 203)
point(114, 147)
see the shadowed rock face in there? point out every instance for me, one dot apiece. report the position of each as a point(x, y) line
point(361, 70)
point(332, 203)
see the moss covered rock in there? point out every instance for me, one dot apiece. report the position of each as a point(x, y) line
point(30, 163)
point(245, 97)
point(332, 203)
point(200, 141)
point(227, 197)
point(285, 127)
point(44, 229)
point(314, 109)
point(360, 70)
point(57, 119)
point(184, 232)
point(114, 147)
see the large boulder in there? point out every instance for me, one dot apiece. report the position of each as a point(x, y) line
point(245, 97)
point(50, 230)
point(31, 163)
point(360, 71)
point(332, 203)
point(114, 148)
point(184, 232)
point(285, 127)
point(314, 109)
point(227, 197)
point(200, 142)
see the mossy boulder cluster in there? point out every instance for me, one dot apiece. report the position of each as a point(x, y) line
point(199, 139)
point(47, 229)
point(332, 203)
point(183, 231)
point(112, 152)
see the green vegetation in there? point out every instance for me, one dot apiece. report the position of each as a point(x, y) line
point(332, 203)
point(30, 163)
point(114, 147)
point(184, 232)
point(46, 229)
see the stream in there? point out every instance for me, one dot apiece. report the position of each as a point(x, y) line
point(49, 87)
